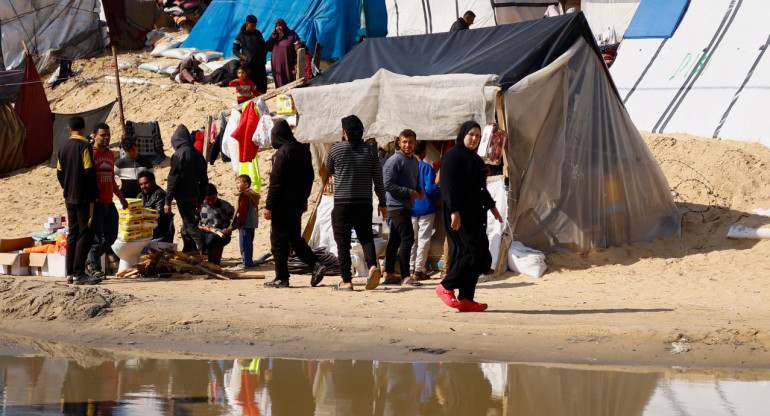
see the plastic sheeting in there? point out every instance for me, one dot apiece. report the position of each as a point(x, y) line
point(70, 28)
point(434, 107)
point(60, 132)
point(510, 51)
point(411, 17)
point(10, 84)
point(508, 11)
point(710, 79)
point(34, 111)
point(609, 15)
point(12, 135)
point(658, 18)
point(333, 23)
point(130, 21)
point(585, 177)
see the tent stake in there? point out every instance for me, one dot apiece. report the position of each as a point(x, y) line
point(120, 96)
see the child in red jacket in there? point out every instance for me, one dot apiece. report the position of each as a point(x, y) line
point(244, 87)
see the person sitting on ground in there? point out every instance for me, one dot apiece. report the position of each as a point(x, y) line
point(188, 71)
point(463, 23)
point(216, 215)
point(128, 168)
point(154, 197)
point(244, 87)
point(246, 219)
point(424, 213)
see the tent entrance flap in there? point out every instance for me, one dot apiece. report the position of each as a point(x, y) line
point(585, 177)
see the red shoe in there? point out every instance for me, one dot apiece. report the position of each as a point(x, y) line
point(471, 306)
point(448, 296)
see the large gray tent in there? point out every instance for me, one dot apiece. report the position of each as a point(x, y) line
point(580, 173)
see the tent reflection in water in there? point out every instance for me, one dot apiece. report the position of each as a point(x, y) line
point(580, 173)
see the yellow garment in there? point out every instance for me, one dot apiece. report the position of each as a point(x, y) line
point(252, 170)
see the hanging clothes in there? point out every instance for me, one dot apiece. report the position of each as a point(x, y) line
point(244, 133)
point(251, 169)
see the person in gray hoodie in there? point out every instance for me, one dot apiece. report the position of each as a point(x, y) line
point(187, 183)
point(401, 175)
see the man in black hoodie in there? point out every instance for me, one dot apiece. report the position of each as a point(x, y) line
point(187, 182)
point(290, 183)
point(76, 172)
point(250, 47)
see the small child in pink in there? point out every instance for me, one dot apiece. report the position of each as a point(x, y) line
point(244, 87)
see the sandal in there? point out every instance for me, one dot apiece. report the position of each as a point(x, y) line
point(277, 283)
point(95, 274)
point(410, 281)
point(374, 278)
point(344, 289)
point(420, 276)
point(391, 279)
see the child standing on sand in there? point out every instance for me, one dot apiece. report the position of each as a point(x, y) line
point(246, 218)
point(244, 87)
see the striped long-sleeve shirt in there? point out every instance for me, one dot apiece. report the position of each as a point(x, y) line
point(354, 170)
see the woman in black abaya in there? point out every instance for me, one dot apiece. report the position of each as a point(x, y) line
point(465, 201)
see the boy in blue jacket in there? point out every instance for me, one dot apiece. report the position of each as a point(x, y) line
point(423, 213)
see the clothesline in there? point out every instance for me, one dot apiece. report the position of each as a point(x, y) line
point(51, 57)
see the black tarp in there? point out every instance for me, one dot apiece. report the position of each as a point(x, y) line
point(9, 93)
point(511, 51)
point(60, 132)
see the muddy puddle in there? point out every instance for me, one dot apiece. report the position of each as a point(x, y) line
point(48, 378)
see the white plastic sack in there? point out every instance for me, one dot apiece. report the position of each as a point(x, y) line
point(208, 55)
point(162, 47)
point(525, 260)
point(229, 144)
point(177, 53)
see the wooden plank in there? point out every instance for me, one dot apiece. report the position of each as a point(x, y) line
point(272, 94)
point(311, 221)
point(301, 56)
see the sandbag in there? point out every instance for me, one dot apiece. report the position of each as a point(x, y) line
point(161, 47)
point(177, 53)
point(525, 260)
point(208, 55)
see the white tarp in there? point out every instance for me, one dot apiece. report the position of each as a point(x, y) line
point(418, 17)
point(50, 24)
point(609, 15)
point(711, 79)
point(433, 106)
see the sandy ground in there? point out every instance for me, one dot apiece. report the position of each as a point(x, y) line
point(623, 305)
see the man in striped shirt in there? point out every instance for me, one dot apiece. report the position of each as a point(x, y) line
point(355, 167)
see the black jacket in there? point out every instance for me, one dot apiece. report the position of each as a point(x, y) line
point(187, 178)
point(459, 24)
point(76, 172)
point(251, 44)
point(292, 176)
point(155, 199)
point(464, 180)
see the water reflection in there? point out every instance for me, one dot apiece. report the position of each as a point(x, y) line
point(139, 386)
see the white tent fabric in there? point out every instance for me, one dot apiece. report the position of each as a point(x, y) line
point(433, 106)
point(49, 25)
point(710, 79)
point(411, 17)
point(609, 15)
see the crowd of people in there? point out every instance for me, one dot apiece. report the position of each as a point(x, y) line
point(406, 186)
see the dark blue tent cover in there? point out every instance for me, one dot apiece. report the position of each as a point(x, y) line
point(333, 23)
point(511, 51)
point(10, 84)
point(656, 19)
point(376, 18)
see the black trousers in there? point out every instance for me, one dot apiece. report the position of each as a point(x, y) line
point(286, 234)
point(81, 235)
point(346, 217)
point(258, 75)
point(469, 251)
point(192, 237)
point(400, 240)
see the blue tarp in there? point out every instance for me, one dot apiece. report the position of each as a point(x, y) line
point(656, 19)
point(376, 18)
point(333, 23)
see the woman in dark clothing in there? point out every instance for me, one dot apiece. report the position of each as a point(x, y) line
point(465, 204)
point(284, 58)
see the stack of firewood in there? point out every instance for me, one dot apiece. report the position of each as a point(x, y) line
point(173, 263)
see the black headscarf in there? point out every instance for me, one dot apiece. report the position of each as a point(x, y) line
point(281, 134)
point(354, 128)
point(464, 129)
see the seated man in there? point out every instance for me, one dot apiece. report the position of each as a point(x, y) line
point(154, 197)
point(216, 216)
point(128, 168)
point(188, 71)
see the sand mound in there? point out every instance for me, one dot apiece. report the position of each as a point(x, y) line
point(48, 301)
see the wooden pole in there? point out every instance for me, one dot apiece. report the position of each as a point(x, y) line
point(206, 139)
point(301, 56)
point(120, 96)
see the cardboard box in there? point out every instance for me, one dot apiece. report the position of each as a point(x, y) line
point(56, 265)
point(12, 260)
point(37, 264)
